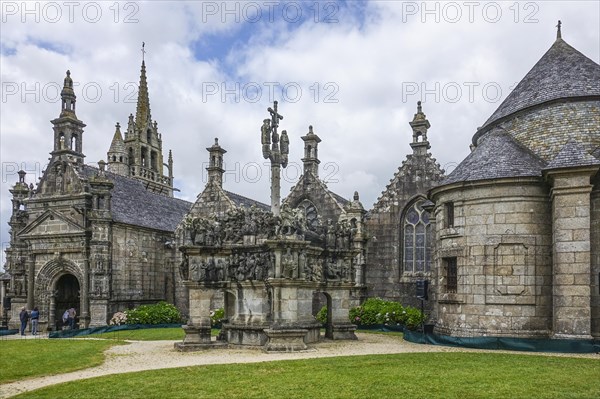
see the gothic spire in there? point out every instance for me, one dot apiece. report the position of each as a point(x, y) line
point(142, 115)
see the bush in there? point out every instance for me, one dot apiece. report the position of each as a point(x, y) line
point(216, 317)
point(118, 319)
point(160, 313)
point(322, 315)
point(377, 311)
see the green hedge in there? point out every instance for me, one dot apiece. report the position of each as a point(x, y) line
point(376, 311)
point(160, 313)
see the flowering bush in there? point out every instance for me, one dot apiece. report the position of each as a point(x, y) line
point(160, 313)
point(216, 317)
point(377, 311)
point(117, 319)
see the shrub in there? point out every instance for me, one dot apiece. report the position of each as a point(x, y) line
point(216, 317)
point(118, 319)
point(322, 315)
point(377, 311)
point(160, 313)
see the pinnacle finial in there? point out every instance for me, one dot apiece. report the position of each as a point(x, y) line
point(216, 141)
point(419, 107)
point(118, 125)
point(310, 129)
point(558, 32)
point(68, 72)
point(143, 50)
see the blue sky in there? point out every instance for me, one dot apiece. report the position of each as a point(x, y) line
point(353, 70)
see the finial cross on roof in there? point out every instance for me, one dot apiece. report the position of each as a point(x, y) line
point(558, 33)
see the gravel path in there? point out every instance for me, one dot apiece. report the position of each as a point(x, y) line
point(151, 355)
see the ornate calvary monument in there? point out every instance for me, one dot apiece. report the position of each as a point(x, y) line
point(268, 264)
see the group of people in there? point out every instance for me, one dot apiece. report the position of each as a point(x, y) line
point(68, 318)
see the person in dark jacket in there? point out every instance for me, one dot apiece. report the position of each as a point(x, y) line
point(35, 315)
point(23, 316)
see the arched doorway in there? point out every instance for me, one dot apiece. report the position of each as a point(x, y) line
point(67, 296)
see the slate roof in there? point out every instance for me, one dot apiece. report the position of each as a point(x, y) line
point(572, 155)
point(240, 200)
point(497, 156)
point(563, 72)
point(133, 204)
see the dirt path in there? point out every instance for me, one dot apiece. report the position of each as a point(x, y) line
point(151, 355)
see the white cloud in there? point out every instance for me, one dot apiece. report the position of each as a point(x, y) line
point(371, 57)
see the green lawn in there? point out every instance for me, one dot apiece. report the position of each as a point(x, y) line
point(413, 375)
point(22, 358)
point(149, 334)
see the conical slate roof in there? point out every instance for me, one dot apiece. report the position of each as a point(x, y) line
point(497, 156)
point(572, 155)
point(563, 72)
point(117, 144)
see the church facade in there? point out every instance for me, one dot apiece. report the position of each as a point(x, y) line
point(509, 241)
point(97, 239)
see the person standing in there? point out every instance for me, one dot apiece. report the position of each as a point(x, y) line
point(35, 315)
point(23, 316)
point(71, 318)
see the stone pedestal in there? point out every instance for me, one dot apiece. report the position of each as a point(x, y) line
point(98, 313)
point(247, 335)
point(198, 338)
point(286, 340)
point(343, 331)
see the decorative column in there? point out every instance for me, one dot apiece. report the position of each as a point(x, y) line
point(571, 263)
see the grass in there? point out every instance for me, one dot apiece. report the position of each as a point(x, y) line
point(149, 334)
point(29, 358)
point(413, 375)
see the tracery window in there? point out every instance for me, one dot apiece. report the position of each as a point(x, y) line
point(311, 214)
point(417, 239)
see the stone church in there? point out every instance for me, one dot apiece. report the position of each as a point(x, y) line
point(509, 241)
point(95, 238)
point(517, 232)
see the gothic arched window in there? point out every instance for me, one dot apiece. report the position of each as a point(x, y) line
point(311, 213)
point(416, 233)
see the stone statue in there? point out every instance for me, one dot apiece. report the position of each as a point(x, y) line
point(288, 265)
point(266, 138)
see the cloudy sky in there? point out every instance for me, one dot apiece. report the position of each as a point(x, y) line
point(354, 70)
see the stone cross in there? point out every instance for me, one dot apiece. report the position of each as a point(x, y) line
point(275, 118)
point(275, 156)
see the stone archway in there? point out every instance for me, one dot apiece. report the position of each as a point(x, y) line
point(67, 289)
point(48, 285)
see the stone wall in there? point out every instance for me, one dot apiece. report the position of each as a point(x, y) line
point(502, 242)
point(385, 273)
point(143, 268)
